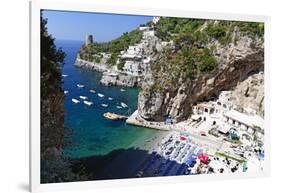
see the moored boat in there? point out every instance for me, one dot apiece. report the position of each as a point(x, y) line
point(104, 105)
point(75, 101)
point(83, 97)
point(89, 103)
point(100, 95)
point(123, 104)
point(92, 91)
point(80, 85)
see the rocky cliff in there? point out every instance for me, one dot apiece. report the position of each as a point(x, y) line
point(171, 92)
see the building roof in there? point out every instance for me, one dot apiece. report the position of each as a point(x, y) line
point(248, 120)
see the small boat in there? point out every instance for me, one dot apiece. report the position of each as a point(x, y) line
point(119, 107)
point(75, 101)
point(65, 92)
point(123, 105)
point(113, 116)
point(92, 91)
point(64, 75)
point(122, 90)
point(89, 103)
point(110, 98)
point(83, 97)
point(100, 95)
point(80, 85)
point(104, 105)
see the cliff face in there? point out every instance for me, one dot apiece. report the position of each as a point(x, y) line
point(248, 95)
point(237, 60)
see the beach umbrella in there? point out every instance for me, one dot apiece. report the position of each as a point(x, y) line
point(183, 138)
point(203, 158)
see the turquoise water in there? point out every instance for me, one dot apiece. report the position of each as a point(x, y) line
point(92, 134)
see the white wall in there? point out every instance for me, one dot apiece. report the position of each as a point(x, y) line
point(14, 95)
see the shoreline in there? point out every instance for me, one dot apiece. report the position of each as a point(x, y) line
point(135, 120)
point(110, 75)
point(90, 65)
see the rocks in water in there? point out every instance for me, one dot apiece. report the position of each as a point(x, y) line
point(90, 65)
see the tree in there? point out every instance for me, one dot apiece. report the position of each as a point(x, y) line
point(51, 91)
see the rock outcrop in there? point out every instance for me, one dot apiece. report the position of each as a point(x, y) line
point(248, 95)
point(90, 65)
point(111, 79)
point(236, 60)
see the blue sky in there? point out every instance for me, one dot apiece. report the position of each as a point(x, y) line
point(104, 27)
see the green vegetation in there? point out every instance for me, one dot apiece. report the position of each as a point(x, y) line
point(121, 64)
point(168, 27)
point(51, 91)
point(172, 28)
point(192, 55)
point(251, 28)
point(178, 67)
point(114, 47)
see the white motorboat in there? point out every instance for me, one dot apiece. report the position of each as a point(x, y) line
point(119, 107)
point(122, 90)
point(89, 103)
point(104, 105)
point(75, 101)
point(65, 92)
point(124, 105)
point(110, 98)
point(64, 75)
point(92, 91)
point(80, 85)
point(83, 97)
point(100, 95)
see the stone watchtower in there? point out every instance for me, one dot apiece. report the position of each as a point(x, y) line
point(88, 40)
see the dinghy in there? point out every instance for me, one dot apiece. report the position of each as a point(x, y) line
point(65, 92)
point(104, 105)
point(89, 103)
point(109, 98)
point(123, 105)
point(118, 107)
point(100, 95)
point(92, 91)
point(122, 90)
point(75, 101)
point(83, 97)
point(80, 85)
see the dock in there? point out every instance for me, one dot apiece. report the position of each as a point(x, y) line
point(137, 121)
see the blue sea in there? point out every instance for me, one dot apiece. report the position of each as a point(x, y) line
point(90, 133)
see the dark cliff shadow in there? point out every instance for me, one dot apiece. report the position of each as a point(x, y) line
point(128, 163)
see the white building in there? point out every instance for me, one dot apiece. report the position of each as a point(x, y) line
point(143, 28)
point(155, 19)
point(248, 127)
point(148, 34)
